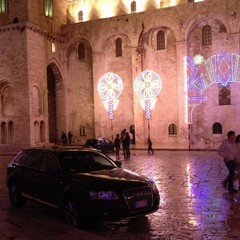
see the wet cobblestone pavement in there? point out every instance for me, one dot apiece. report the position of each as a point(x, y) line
point(194, 204)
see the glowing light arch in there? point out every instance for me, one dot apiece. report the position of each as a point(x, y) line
point(220, 68)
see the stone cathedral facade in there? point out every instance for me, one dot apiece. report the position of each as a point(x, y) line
point(53, 54)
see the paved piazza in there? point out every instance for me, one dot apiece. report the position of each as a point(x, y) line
point(194, 204)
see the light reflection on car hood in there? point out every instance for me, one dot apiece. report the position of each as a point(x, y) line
point(117, 174)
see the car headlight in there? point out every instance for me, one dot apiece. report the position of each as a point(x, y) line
point(104, 195)
point(153, 185)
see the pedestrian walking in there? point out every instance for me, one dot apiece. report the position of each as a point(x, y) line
point(228, 150)
point(117, 141)
point(150, 150)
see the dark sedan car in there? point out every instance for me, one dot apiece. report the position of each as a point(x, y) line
point(85, 184)
point(103, 144)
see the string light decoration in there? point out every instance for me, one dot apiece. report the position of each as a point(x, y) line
point(221, 68)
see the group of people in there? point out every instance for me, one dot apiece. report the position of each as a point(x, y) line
point(66, 139)
point(230, 151)
point(125, 140)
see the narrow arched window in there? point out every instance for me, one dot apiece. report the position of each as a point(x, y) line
point(217, 128)
point(118, 47)
point(36, 131)
point(133, 7)
point(81, 51)
point(160, 40)
point(3, 133)
point(3, 6)
point(42, 131)
point(48, 8)
point(7, 101)
point(80, 16)
point(172, 129)
point(207, 35)
point(10, 132)
point(224, 95)
point(82, 131)
point(37, 100)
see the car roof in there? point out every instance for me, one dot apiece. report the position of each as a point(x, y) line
point(61, 149)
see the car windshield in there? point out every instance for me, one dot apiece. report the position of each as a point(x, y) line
point(83, 162)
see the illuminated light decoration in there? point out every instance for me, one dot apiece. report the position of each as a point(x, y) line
point(110, 109)
point(147, 108)
point(110, 87)
point(221, 68)
point(198, 59)
point(147, 85)
point(185, 89)
point(152, 103)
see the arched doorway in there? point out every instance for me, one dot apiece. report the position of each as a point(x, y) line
point(56, 102)
point(51, 83)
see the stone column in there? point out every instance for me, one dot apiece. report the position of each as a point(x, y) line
point(139, 118)
point(183, 127)
point(101, 116)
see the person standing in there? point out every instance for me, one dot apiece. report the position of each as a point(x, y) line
point(228, 150)
point(64, 138)
point(126, 146)
point(123, 136)
point(117, 141)
point(150, 150)
point(237, 160)
point(70, 136)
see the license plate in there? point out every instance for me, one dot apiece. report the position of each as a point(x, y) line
point(142, 203)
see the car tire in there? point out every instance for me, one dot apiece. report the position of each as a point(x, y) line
point(74, 214)
point(15, 197)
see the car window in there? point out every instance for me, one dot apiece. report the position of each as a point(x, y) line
point(107, 141)
point(50, 162)
point(21, 158)
point(35, 159)
point(101, 162)
point(76, 162)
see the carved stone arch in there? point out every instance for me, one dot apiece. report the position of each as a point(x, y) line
point(6, 98)
point(112, 38)
point(37, 100)
point(56, 101)
point(87, 48)
point(195, 20)
point(72, 46)
point(150, 37)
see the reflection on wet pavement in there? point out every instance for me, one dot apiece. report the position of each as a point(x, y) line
point(194, 204)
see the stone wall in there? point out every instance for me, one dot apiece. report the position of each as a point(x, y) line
point(26, 54)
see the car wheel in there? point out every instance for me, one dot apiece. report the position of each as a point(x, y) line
point(74, 214)
point(15, 197)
